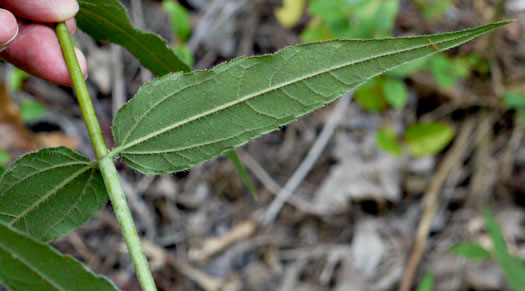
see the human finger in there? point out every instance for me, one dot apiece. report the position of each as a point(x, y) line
point(8, 28)
point(42, 11)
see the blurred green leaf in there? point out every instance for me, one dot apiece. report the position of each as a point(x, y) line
point(237, 163)
point(443, 71)
point(471, 251)
point(396, 92)
point(514, 100)
point(433, 9)
point(185, 54)
point(5, 157)
point(408, 69)
point(386, 140)
point(29, 265)
point(427, 284)
point(32, 111)
point(15, 78)
point(49, 193)
point(179, 19)
point(513, 267)
point(371, 96)
point(428, 138)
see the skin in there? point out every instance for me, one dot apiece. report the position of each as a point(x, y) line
point(29, 41)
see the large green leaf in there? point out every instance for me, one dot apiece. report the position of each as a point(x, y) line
point(49, 193)
point(182, 120)
point(108, 20)
point(29, 265)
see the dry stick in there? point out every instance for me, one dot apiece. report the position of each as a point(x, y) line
point(307, 164)
point(431, 201)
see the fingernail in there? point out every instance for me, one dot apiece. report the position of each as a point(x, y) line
point(6, 44)
point(67, 8)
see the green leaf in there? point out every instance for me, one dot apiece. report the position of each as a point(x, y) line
point(396, 93)
point(371, 95)
point(386, 140)
point(443, 71)
point(513, 267)
point(428, 138)
point(514, 100)
point(49, 193)
point(29, 265)
point(179, 19)
point(237, 163)
point(15, 78)
point(5, 157)
point(184, 53)
point(427, 284)
point(32, 111)
point(108, 20)
point(471, 251)
point(182, 120)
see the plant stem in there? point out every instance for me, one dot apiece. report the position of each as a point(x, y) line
point(105, 163)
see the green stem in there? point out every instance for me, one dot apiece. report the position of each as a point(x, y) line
point(105, 163)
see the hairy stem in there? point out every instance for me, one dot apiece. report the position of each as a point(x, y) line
point(105, 163)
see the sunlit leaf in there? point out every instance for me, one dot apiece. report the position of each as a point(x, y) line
point(182, 120)
point(29, 265)
point(428, 138)
point(108, 20)
point(49, 193)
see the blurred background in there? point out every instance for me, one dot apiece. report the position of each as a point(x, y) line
point(389, 198)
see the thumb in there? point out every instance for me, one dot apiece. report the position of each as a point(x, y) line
point(42, 11)
point(8, 28)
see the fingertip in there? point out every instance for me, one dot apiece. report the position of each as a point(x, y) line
point(82, 62)
point(9, 27)
point(71, 25)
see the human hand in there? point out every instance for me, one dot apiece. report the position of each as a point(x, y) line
point(28, 39)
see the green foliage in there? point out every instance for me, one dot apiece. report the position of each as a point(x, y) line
point(32, 111)
point(15, 79)
point(386, 140)
point(428, 138)
point(516, 102)
point(5, 157)
point(290, 13)
point(185, 54)
point(427, 284)
point(396, 92)
point(234, 157)
point(433, 9)
point(26, 264)
point(108, 20)
point(471, 251)
point(513, 267)
point(179, 19)
point(49, 193)
point(371, 95)
point(182, 120)
point(445, 71)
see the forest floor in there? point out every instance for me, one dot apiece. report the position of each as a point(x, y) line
point(359, 219)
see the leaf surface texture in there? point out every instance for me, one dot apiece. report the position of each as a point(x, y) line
point(182, 120)
point(108, 20)
point(27, 265)
point(49, 193)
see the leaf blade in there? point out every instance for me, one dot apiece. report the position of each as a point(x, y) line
point(209, 120)
point(26, 264)
point(108, 20)
point(50, 192)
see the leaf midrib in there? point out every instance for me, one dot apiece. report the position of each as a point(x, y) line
point(122, 148)
point(130, 36)
point(21, 259)
point(49, 194)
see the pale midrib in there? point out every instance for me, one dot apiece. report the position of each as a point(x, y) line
point(279, 86)
point(29, 266)
point(40, 172)
point(130, 36)
point(49, 194)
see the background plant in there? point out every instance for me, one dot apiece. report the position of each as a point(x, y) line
point(162, 139)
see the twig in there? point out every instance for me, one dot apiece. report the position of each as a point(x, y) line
point(431, 200)
point(307, 164)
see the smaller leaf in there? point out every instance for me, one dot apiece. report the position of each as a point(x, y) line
point(471, 251)
point(5, 157)
point(15, 78)
point(386, 140)
point(396, 92)
point(290, 13)
point(179, 19)
point(443, 71)
point(29, 265)
point(514, 100)
point(428, 138)
point(49, 193)
point(370, 95)
point(427, 284)
point(241, 170)
point(32, 111)
point(185, 54)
